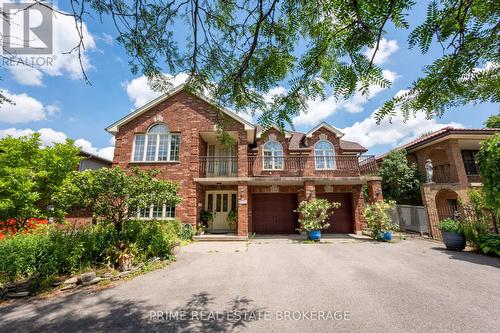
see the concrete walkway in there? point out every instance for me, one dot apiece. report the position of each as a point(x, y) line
point(280, 285)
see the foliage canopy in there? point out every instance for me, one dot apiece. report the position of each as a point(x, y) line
point(239, 50)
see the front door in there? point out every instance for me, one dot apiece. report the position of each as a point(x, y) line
point(220, 203)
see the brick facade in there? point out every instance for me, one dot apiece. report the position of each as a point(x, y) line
point(198, 118)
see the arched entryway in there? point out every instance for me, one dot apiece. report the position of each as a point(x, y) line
point(446, 204)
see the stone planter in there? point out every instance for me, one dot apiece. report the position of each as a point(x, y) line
point(453, 241)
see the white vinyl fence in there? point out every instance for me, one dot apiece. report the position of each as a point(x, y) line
point(411, 218)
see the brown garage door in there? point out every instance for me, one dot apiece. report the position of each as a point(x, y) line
point(273, 213)
point(341, 220)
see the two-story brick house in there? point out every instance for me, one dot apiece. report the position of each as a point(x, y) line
point(263, 175)
point(452, 152)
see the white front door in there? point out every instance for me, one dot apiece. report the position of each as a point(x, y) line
point(220, 203)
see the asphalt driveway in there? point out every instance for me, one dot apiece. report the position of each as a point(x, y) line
point(285, 286)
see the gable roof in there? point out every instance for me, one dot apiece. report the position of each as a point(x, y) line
point(440, 134)
point(329, 127)
point(113, 128)
point(352, 146)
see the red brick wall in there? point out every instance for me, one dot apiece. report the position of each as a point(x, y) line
point(197, 116)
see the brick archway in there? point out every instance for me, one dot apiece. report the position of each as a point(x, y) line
point(446, 204)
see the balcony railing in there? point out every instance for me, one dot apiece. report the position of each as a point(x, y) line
point(441, 173)
point(218, 166)
point(290, 166)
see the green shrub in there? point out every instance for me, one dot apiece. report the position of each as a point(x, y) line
point(313, 214)
point(473, 229)
point(378, 218)
point(450, 225)
point(489, 244)
point(151, 238)
point(53, 250)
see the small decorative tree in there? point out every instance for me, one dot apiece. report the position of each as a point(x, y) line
point(378, 218)
point(313, 214)
point(111, 193)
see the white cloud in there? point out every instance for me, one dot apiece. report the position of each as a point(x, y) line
point(65, 38)
point(24, 109)
point(27, 75)
point(106, 38)
point(385, 50)
point(356, 102)
point(48, 137)
point(394, 132)
point(318, 110)
point(140, 93)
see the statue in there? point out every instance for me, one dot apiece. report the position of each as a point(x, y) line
point(429, 169)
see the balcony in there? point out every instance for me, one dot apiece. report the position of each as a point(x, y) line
point(218, 166)
point(290, 166)
point(441, 174)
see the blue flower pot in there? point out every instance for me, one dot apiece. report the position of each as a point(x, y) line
point(314, 235)
point(388, 236)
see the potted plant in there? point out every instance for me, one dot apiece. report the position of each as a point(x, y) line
point(452, 232)
point(232, 219)
point(379, 220)
point(313, 215)
point(200, 229)
point(206, 216)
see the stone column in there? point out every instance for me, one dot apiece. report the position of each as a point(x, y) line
point(457, 168)
point(310, 190)
point(429, 200)
point(375, 191)
point(242, 154)
point(242, 209)
point(358, 206)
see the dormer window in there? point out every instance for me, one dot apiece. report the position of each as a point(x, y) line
point(273, 156)
point(157, 145)
point(324, 155)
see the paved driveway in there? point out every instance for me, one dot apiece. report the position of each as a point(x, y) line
point(282, 286)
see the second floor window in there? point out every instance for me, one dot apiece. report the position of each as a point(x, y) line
point(273, 156)
point(324, 155)
point(157, 145)
point(469, 158)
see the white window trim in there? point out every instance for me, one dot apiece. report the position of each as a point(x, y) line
point(169, 148)
point(163, 216)
point(272, 157)
point(324, 156)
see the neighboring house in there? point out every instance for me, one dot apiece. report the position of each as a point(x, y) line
point(452, 152)
point(263, 175)
point(91, 161)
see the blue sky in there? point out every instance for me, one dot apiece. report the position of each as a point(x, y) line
point(58, 103)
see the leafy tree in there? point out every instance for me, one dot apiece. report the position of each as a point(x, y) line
point(239, 50)
point(493, 121)
point(110, 193)
point(30, 174)
point(488, 159)
point(400, 179)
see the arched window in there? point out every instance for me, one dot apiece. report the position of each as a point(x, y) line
point(273, 156)
point(324, 155)
point(157, 145)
